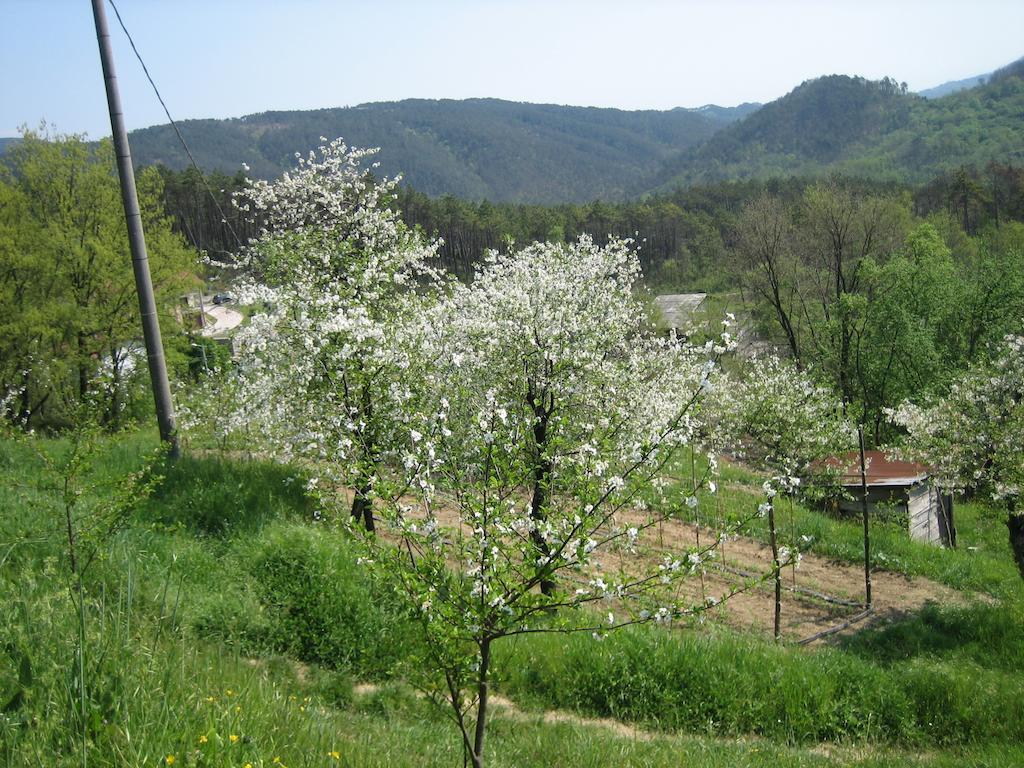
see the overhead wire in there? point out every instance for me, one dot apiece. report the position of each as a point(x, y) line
point(202, 176)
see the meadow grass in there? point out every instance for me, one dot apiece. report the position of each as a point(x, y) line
point(221, 608)
point(717, 682)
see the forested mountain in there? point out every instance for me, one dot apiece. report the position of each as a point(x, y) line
point(867, 128)
point(796, 135)
point(488, 149)
point(473, 149)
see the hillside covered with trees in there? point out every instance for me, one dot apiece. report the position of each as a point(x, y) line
point(873, 129)
point(474, 149)
point(488, 149)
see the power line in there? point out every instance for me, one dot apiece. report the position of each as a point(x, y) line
point(202, 177)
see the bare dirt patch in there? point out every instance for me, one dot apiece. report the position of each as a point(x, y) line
point(508, 708)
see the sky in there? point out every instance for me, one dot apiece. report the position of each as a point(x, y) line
point(227, 58)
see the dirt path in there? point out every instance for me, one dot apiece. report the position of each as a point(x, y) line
point(509, 709)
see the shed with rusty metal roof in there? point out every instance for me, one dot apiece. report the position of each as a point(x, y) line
point(902, 489)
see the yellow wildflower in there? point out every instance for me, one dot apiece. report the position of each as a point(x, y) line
point(203, 739)
point(238, 709)
point(229, 692)
point(169, 759)
point(233, 737)
point(335, 754)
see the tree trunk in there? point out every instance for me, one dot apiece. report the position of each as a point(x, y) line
point(83, 370)
point(541, 486)
point(481, 708)
point(1015, 525)
point(865, 520)
point(537, 505)
point(362, 505)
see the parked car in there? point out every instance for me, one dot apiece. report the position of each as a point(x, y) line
point(223, 298)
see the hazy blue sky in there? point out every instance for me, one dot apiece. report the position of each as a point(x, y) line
point(222, 58)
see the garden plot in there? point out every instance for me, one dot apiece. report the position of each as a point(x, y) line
point(839, 587)
point(820, 594)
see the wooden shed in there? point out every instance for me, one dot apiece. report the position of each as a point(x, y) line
point(898, 487)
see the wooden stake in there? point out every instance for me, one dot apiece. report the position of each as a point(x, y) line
point(864, 509)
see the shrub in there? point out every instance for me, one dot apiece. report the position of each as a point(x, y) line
point(321, 607)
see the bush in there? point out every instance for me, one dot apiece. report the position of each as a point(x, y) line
point(321, 606)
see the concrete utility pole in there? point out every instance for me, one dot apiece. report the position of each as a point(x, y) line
point(136, 239)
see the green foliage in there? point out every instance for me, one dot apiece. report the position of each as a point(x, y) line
point(724, 684)
point(322, 606)
point(68, 309)
point(225, 498)
point(206, 357)
point(905, 327)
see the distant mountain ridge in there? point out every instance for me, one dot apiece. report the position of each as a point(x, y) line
point(473, 148)
point(953, 86)
point(874, 129)
point(725, 115)
point(544, 153)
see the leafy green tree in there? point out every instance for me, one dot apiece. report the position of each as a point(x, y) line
point(904, 330)
point(68, 308)
point(992, 301)
point(840, 229)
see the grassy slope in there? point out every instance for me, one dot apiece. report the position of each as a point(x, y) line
point(219, 583)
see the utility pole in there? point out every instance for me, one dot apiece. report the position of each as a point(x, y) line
point(136, 240)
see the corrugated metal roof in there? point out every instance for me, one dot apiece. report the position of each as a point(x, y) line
point(678, 308)
point(881, 470)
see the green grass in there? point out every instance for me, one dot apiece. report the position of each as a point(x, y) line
point(723, 684)
point(989, 637)
point(223, 581)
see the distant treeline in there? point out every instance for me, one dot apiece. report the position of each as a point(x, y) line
point(683, 236)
